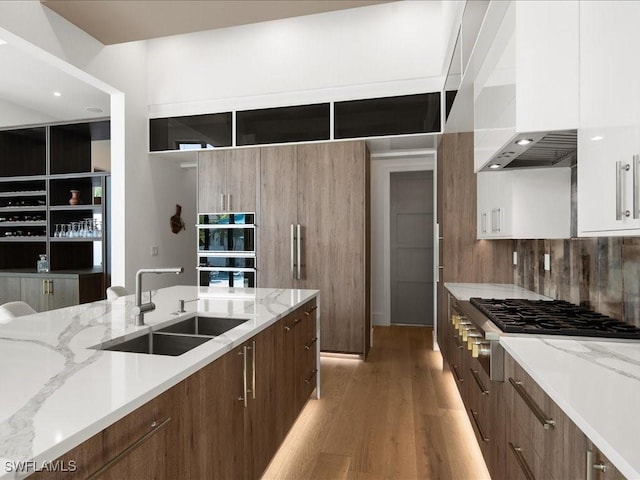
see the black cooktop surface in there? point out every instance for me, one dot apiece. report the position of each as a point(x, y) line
point(553, 317)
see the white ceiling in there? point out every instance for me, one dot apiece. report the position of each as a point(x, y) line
point(26, 92)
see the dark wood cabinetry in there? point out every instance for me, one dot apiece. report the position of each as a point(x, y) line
point(314, 233)
point(227, 181)
point(39, 169)
point(210, 425)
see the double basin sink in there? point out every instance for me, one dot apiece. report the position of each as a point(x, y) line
point(176, 338)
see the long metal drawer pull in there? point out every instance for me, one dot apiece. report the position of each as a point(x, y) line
point(244, 397)
point(457, 375)
point(293, 252)
point(620, 169)
point(253, 369)
point(299, 248)
point(474, 415)
point(155, 427)
point(522, 462)
point(542, 417)
point(636, 200)
point(310, 344)
point(310, 377)
point(313, 309)
point(591, 466)
point(474, 374)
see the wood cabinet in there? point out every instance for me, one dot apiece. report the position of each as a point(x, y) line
point(314, 233)
point(227, 180)
point(513, 91)
point(224, 421)
point(49, 291)
point(529, 203)
point(609, 134)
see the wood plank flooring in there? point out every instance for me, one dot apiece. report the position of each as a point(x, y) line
point(396, 416)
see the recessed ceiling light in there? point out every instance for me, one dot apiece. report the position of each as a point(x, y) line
point(94, 109)
point(596, 138)
point(495, 165)
point(57, 94)
point(524, 141)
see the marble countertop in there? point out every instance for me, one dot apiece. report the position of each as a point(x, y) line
point(58, 392)
point(596, 383)
point(464, 291)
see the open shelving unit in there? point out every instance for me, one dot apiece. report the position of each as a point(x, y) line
point(39, 166)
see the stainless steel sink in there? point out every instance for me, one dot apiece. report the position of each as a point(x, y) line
point(159, 344)
point(210, 326)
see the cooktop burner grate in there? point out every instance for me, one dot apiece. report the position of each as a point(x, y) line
point(552, 317)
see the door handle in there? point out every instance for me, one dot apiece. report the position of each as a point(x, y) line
point(299, 249)
point(636, 201)
point(293, 252)
point(222, 195)
point(620, 169)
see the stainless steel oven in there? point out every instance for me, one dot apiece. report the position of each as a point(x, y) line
point(226, 250)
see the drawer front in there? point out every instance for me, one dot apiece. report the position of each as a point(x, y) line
point(522, 462)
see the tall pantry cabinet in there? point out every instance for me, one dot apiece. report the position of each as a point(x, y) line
point(312, 228)
point(314, 233)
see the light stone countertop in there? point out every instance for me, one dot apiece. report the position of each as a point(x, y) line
point(595, 382)
point(57, 392)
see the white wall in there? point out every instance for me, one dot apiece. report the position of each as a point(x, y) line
point(144, 192)
point(385, 49)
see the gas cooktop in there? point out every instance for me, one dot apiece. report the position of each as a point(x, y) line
point(552, 317)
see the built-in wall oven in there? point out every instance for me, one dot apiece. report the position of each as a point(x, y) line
point(226, 250)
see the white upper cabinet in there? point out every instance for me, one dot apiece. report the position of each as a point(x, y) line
point(609, 133)
point(524, 203)
point(529, 79)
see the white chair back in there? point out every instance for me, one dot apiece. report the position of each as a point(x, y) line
point(11, 310)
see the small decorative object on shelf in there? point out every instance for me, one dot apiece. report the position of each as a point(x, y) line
point(75, 197)
point(43, 264)
point(97, 195)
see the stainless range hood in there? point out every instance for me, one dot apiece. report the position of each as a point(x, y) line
point(543, 149)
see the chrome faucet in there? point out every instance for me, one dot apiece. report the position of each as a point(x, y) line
point(141, 308)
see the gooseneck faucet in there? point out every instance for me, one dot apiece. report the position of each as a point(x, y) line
point(141, 308)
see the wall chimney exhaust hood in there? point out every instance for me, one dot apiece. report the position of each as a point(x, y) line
point(536, 150)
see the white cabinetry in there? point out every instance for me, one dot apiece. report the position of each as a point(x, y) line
point(526, 203)
point(528, 81)
point(609, 134)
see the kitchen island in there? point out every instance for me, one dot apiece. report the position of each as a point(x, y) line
point(60, 390)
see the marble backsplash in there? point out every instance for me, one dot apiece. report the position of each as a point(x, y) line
point(602, 274)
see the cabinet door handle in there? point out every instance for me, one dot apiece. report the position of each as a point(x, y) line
point(499, 220)
point(474, 374)
point(542, 417)
point(310, 344)
point(456, 374)
point(636, 200)
point(222, 202)
point(44, 287)
point(483, 223)
point(311, 310)
point(155, 427)
point(50, 289)
point(522, 462)
point(253, 370)
point(228, 202)
point(474, 415)
point(299, 235)
point(244, 397)
point(310, 377)
point(293, 252)
point(620, 169)
point(591, 465)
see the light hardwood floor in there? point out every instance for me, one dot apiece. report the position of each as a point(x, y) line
point(396, 416)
